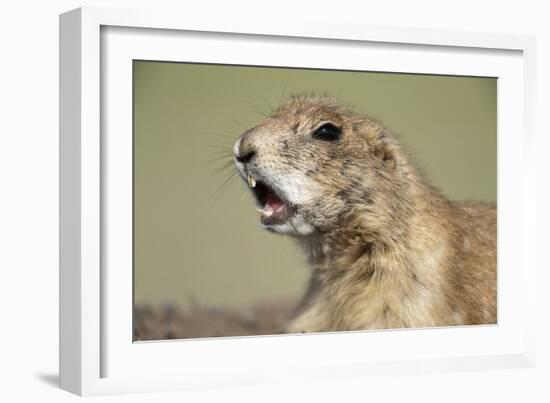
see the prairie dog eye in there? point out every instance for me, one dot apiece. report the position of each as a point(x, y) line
point(327, 132)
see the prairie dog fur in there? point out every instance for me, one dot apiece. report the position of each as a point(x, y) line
point(387, 250)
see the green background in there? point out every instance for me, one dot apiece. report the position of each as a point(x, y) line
point(196, 243)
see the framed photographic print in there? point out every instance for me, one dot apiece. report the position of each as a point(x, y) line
point(247, 203)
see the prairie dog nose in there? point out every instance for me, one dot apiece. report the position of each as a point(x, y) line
point(244, 148)
point(244, 158)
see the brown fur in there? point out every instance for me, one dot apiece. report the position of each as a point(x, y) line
point(387, 250)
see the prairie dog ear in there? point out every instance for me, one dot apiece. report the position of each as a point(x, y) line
point(380, 142)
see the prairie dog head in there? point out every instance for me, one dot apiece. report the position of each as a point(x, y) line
point(313, 162)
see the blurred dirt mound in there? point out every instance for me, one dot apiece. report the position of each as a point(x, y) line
point(193, 321)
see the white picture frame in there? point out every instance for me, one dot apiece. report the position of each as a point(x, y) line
point(97, 355)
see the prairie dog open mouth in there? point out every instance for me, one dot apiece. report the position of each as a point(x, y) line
point(273, 208)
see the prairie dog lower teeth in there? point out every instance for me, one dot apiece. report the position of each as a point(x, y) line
point(265, 213)
point(251, 181)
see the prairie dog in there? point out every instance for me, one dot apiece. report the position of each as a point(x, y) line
point(387, 250)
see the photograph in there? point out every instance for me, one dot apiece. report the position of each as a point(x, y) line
point(212, 201)
point(270, 200)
